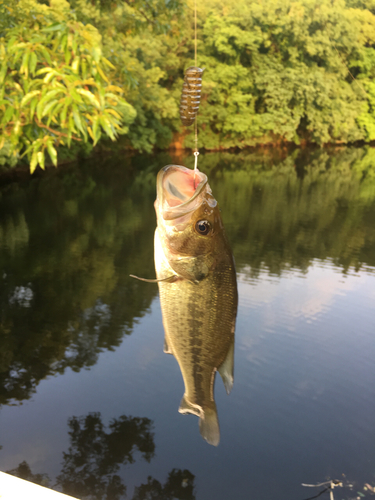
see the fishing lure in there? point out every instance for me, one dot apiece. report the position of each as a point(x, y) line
point(191, 95)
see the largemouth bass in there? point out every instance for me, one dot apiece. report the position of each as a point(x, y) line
point(198, 289)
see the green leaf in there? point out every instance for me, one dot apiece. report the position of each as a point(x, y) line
point(43, 70)
point(96, 129)
point(33, 105)
point(77, 119)
point(90, 96)
point(43, 102)
point(8, 115)
point(40, 156)
point(28, 97)
point(52, 153)
point(54, 27)
point(75, 64)
point(106, 124)
point(49, 106)
point(33, 63)
point(63, 42)
point(56, 111)
point(12, 41)
point(3, 71)
point(50, 75)
point(46, 54)
point(25, 63)
point(71, 128)
point(64, 112)
point(34, 161)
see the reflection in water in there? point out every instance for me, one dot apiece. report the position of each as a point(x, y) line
point(179, 485)
point(90, 467)
point(23, 471)
point(198, 291)
point(67, 244)
point(69, 240)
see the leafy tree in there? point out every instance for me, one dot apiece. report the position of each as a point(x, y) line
point(141, 39)
point(54, 85)
point(279, 71)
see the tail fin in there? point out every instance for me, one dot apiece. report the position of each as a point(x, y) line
point(209, 426)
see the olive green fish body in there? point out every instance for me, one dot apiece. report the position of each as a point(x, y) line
point(199, 302)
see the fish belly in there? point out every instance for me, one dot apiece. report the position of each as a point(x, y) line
point(198, 321)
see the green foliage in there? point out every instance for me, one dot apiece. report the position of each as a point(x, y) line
point(276, 71)
point(279, 71)
point(54, 86)
point(141, 40)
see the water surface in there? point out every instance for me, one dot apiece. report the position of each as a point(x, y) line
point(88, 398)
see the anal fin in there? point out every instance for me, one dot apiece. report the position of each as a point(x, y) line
point(226, 369)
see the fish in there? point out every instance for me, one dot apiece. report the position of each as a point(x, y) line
point(198, 290)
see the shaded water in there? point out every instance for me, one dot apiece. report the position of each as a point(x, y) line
point(89, 399)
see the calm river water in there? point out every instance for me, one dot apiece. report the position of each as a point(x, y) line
point(89, 401)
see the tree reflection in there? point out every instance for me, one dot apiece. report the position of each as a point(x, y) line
point(94, 457)
point(69, 240)
point(96, 453)
point(180, 485)
point(23, 471)
point(307, 205)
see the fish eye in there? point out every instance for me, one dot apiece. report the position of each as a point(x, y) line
point(203, 227)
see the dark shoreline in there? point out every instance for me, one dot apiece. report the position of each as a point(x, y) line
point(20, 173)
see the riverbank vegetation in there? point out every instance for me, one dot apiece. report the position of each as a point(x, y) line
point(85, 73)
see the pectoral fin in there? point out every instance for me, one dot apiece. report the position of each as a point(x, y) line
point(227, 367)
point(209, 427)
point(169, 279)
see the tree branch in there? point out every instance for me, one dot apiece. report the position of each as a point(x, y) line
point(61, 134)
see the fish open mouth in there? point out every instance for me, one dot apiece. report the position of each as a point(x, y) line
point(180, 184)
point(178, 190)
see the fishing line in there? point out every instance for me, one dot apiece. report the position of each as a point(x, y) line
point(191, 94)
point(196, 152)
point(195, 30)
